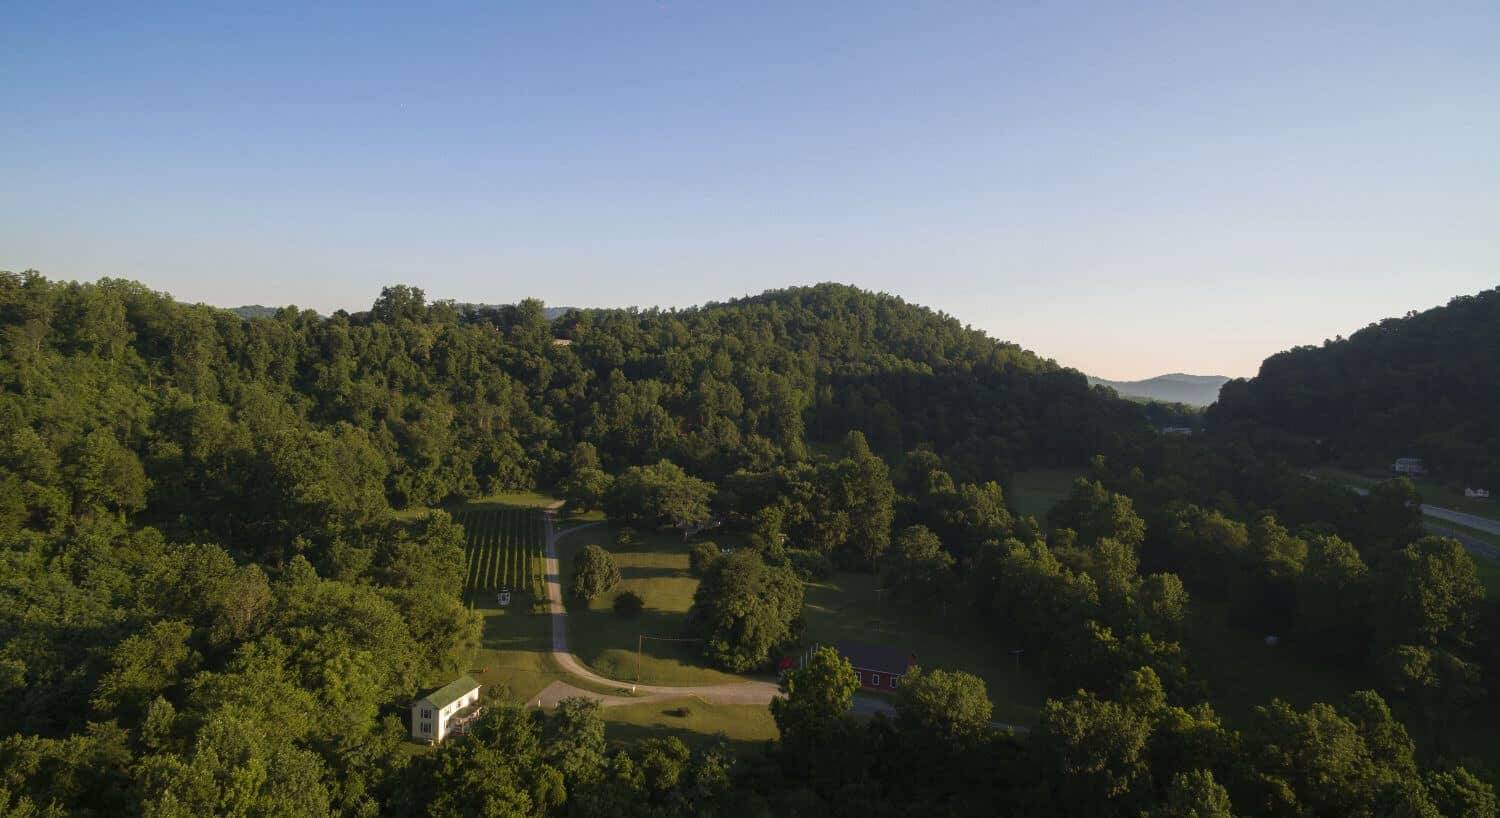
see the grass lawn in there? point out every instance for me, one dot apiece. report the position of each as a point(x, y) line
point(743, 726)
point(1033, 493)
point(1242, 672)
point(657, 569)
point(504, 499)
point(849, 606)
point(515, 646)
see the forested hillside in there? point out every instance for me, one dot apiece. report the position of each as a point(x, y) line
point(208, 604)
point(195, 506)
point(1423, 385)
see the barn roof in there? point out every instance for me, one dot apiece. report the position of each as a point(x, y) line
point(450, 692)
point(883, 658)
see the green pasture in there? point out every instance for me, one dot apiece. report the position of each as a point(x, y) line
point(851, 606)
point(657, 569)
point(1033, 493)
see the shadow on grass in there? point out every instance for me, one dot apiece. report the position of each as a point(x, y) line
point(631, 572)
point(627, 734)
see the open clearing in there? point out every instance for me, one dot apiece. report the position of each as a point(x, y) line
point(503, 545)
point(850, 606)
point(743, 726)
point(657, 569)
point(514, 647)
point(1242, 673)
point(1033, 493)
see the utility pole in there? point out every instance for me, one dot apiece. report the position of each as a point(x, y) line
point(640, 641)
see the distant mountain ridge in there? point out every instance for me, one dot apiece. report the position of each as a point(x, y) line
point(1175, 387)
point(252, 311)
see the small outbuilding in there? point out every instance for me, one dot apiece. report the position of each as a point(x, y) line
point(445, 711)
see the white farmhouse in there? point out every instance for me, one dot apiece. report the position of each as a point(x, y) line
point(445, 711)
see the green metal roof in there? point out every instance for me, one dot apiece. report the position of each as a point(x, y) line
point(450, 692)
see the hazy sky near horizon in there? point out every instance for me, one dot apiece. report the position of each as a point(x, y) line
point(1130, 189)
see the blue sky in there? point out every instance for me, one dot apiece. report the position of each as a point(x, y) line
point(1128, 188)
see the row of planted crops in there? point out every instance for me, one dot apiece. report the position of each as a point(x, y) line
point(504, 547)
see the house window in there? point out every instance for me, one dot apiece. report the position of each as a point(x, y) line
point(860, 677)
point(875, 679)
point(427, 729)
point(893, 680)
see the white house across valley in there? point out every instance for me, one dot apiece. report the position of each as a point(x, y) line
point(448, 710)
point(1409, 465)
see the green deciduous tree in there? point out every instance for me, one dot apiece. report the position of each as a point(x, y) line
point(814, 697)
point(745, 608)
point(918, 569)
point(951, 705)
point(594, 572)
point(661, 493)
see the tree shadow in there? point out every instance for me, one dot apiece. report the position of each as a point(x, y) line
point(625, 734)
point(651, 572)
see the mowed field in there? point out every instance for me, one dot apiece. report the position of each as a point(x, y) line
point(657, 569)
point(1033, 493)
point(743, 727)
point(504, 537)
point(504, 548)
point(852, 606)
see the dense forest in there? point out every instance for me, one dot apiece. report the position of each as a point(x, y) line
point(1422, 385)
point(208, 607)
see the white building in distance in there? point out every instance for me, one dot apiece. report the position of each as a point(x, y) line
point(445, 711)
point(1409, 465)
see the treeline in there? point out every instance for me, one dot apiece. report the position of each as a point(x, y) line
point(192, 417)
point(1135, 754)
point(169, 679)
point(205, 606)
point(1419, 386)
point(1346, 580)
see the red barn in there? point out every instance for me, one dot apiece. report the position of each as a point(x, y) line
point(879, 667)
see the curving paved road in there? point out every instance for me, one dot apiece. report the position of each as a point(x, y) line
point(1463, 518)
point(747, 692)
point(1475, 546)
